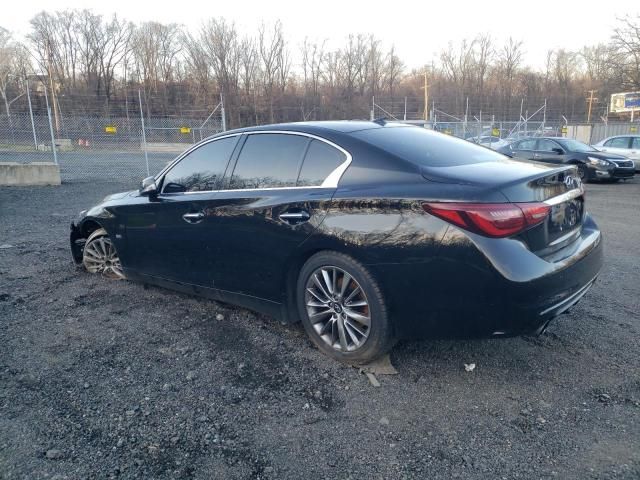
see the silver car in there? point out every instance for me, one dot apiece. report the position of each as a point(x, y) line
point(489, 141)
point(627, 145)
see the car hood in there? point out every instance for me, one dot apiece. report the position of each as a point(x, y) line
point(605, 155)
point(118, 196)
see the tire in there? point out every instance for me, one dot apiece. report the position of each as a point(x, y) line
point(99, 255)
point(583, 172)
point(337, 324)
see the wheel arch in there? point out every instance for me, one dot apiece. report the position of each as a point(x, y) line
point(88, 226)
point(290, 280)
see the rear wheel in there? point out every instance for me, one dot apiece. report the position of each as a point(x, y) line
point(342, 308)
point(100, 256)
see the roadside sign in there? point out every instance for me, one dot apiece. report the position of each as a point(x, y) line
point(447, 131)
point(633, 129)
point(185, 130)
point(564, 130)
point(495, 132)
point(110, 129)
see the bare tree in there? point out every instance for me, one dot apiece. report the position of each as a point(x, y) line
point(14, 66)
point(509, 60)
point(626, 42)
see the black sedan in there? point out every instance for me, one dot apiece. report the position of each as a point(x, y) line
point(366, 232)
point(592, 164)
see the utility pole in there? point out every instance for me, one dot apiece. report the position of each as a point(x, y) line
point(426, 96)
point(591, 99)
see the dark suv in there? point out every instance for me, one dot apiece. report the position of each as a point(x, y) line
point(592, 164)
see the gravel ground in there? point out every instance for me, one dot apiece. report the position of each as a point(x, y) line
point(102, 379)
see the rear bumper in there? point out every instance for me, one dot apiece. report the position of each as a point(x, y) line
point(481, 287)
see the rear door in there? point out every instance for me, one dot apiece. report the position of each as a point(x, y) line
point(549, 151)
point(524, 149)
point(273, 200)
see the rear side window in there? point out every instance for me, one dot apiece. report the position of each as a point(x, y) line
point(620, 142)
point(425, 147)
point(320, 161)
point(201, 169)
point(269, 160)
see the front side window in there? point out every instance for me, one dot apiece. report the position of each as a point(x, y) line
point(620, 142)
point(321, 159)
point(545, 145)
point(635, 143)
point(269, 160)
point(201, 169)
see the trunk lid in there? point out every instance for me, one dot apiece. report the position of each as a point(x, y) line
point(528, 182)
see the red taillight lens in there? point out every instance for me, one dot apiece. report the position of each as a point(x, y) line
point(490, 219)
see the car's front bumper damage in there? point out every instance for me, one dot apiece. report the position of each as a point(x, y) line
point(76, 240)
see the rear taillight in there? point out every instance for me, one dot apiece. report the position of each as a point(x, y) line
point(490, 219)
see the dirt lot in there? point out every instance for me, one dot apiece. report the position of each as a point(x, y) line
point(102, 379)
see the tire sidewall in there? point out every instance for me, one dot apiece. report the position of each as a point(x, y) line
point(380, 338)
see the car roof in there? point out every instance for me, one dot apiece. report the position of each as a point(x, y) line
point(340, 126)
point(621, 135)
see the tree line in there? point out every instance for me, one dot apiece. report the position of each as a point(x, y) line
point(96, 65)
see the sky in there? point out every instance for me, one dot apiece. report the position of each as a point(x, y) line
point(417, 29)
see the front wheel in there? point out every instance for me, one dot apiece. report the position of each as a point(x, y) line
point(100, 256)
point(342, 308)
point(583, 173)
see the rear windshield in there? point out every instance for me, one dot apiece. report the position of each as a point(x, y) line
point(427, 148)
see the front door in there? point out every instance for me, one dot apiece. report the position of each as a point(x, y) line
point(168, 235)
point(549, 151)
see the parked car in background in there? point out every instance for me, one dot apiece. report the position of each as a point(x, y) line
point(488, 141)
point(627, 145)
point(366, 232)
point(591, 163)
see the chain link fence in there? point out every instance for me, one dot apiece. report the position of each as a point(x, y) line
point(122, 149)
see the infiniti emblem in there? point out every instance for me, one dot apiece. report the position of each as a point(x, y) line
point(572, 182)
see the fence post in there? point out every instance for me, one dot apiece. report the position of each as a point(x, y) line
point(144, 136)
point(33, 125)
point(224, 119)
point(53, 138)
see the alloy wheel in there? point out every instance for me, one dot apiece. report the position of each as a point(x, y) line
point(100, 256)
point(338, 308)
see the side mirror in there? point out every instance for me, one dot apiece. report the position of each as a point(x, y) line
point(148, 187)
point(557, 150)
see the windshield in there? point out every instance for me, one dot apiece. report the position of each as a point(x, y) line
point(426, 147)
point(576, 146)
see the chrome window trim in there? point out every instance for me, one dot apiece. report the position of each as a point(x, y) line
point(331, 181)
point(565, 197)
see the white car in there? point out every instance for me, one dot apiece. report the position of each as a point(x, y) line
point(489, 141)
point(627, 145)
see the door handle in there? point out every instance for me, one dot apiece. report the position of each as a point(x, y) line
point(295, 217)
point(536, 155)
point(193, 217)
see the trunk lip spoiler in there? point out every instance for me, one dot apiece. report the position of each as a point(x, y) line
point(566, 196)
